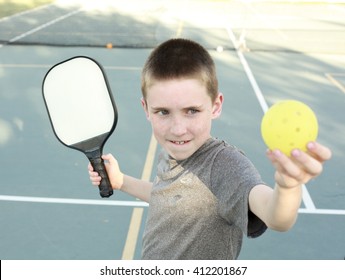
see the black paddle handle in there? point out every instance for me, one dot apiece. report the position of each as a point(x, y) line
point(105, 189)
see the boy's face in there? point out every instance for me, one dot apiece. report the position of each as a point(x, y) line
point(181, 112)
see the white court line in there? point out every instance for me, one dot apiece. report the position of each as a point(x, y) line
point(38, 28)
point(335, 82)
point(54, 200)
point(308, 202)
point(49, 200)
point(249, 73)
point(44, 25)
point(321, 211)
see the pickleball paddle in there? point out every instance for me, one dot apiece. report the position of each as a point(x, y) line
point(81, 110)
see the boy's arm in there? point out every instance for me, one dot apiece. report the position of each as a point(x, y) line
point(278, 207)
point(119, 181)
point(138, 188)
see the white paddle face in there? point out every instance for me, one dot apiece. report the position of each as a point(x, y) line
point(78, 100)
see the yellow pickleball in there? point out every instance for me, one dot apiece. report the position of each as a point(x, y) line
point(287, 125)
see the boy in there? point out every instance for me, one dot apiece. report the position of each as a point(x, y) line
point(207, 193)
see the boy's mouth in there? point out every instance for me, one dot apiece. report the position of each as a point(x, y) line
point(180, 142)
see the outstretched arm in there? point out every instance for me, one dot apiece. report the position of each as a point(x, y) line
point(278, 207)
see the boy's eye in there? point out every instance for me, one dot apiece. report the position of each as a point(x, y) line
point(192, 111)
point(162, 112)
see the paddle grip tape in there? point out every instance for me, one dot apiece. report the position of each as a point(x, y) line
point(105, 189)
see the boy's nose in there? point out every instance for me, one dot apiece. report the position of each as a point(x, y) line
point(178, 127)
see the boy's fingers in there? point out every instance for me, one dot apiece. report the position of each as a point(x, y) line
point(307, 163)
point(90, 167)
point(300, 162)
point(93, 174)
point(319, 151)
point(95, 180)
point(110, 158)
point(290, 168)
point(106, 157)
point(287, 166)
point(283, 163)
point(301, 166)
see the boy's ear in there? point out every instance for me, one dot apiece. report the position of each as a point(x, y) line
point(144, 104)
point(217, 106)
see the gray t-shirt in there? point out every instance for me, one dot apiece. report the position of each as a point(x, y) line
point(199, 206)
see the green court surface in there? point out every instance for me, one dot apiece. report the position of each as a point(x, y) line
point(264, 52)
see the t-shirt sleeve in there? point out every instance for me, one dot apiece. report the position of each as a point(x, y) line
point(232, 177)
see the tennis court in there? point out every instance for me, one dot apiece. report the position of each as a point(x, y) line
point(264, 52)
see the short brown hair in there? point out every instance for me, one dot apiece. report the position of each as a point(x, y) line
point(179, 59)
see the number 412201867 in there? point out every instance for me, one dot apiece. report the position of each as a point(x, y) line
point(213, 270)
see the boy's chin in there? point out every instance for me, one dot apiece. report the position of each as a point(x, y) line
point(180, 156)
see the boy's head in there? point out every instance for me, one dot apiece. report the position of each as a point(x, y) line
point(180, 59)
point(180, 96)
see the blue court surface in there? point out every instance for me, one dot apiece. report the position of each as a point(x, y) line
point(264, 52)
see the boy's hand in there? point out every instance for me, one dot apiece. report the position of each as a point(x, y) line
point(300, 167)
point(114, 174)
